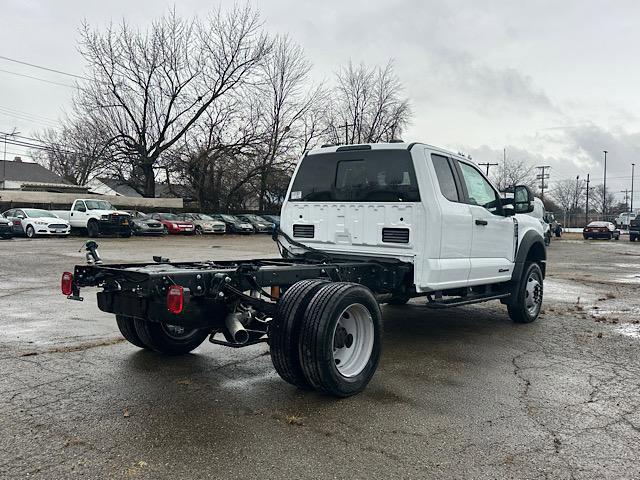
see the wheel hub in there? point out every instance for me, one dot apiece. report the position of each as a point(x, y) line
point(353, 340)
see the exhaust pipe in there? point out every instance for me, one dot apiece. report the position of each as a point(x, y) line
point(235, 329)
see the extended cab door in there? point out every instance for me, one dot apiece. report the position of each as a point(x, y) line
point(493, 234)
point(452, 266)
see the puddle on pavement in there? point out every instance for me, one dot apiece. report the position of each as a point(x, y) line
point(629, 330)
point(569, 292)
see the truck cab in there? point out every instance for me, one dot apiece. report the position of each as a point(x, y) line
point(97, 217)
point(413, 202)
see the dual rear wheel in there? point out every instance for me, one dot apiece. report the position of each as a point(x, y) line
point(327, 336)
point(160, 337)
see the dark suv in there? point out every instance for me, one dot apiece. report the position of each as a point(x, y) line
point(634, 229)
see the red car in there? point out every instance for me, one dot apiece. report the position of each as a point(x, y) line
point(172, 223)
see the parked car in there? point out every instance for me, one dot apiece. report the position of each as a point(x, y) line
point(634, 229)
point(173, 224)
point(143, 224)
point(259, 224)
point(6, 228)
point(604, 230)
point(96, 217)
point(234, 224)
point(32, 222)
point(204, 223)
point(275, 219)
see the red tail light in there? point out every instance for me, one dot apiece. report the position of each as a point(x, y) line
point(175, 299)
point(66, 284)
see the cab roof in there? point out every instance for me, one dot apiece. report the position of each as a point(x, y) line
point(382, 146)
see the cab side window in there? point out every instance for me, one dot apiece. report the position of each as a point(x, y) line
point(80, 207)
point(479, 190)
point(445, 177)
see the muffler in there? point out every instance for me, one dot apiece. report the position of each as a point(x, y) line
point(235, 330)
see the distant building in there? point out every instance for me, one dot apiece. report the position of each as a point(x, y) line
point(33, 177)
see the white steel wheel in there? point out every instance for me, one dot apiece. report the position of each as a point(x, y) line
point(353, 340)
point(533, 293)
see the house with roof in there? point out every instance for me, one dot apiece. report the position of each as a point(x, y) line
point(33, 177)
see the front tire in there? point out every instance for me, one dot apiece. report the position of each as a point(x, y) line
point(30, 232)
point(340, 341)
point(93, 230)
point(526, 306)
point(169, 339)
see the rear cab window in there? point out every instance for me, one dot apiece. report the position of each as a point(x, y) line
point(356, 176)
point(446, 180)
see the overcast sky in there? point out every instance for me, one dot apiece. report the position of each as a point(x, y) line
point(553, 82)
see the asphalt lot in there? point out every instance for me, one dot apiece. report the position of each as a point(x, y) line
point(462, 393)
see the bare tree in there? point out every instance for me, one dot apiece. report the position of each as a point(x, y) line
point(511, 172)
point(288, 104)
point(598, 202)
point(569, 194)
point(368, 105)
point(150, 88)
point(78, 152)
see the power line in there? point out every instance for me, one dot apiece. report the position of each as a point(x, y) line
point(43, 68)
point(24, 118)
point(22, 112)
point(39, 79)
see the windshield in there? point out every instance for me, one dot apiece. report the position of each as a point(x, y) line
point(229, 218)
point(169, 216)
point(356, 176)
point(98, 205)
point(202, 216)
point(37, 213)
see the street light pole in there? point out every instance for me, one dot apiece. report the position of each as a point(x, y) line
point(633, 167)
point(604, 195)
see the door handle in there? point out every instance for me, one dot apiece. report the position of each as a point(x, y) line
point(481, 222)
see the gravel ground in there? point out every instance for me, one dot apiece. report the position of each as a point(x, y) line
point(461, 393)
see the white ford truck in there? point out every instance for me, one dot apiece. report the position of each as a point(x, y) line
point(97, 217)
point(362, 225)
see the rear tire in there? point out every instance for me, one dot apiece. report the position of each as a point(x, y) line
point(284, 331)
point(340, 341)
point(528, 302)
point(127, 328)
point(168, 339)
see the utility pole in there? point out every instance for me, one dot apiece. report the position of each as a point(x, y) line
point(488, 165)
point(4, 163)
point(633, 167)
point(626, 198)
point(542, 176)
point(604, 195)
point(586, 207)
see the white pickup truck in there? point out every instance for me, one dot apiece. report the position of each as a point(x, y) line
point(97, 217)
point(361, 225)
